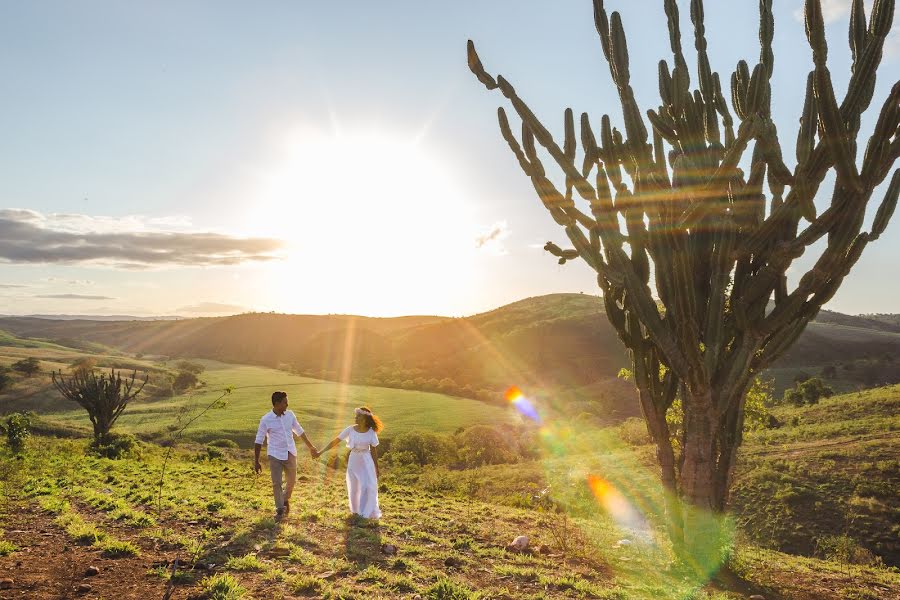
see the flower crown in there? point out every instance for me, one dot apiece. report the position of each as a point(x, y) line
point(362, 411)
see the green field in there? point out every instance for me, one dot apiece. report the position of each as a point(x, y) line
point(214, 511)
point(322, 407)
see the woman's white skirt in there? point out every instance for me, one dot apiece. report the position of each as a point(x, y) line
point(362, 485)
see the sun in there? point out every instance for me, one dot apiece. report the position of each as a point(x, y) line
point(374, 224)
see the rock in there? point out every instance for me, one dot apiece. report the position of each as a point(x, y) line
point(623, 542)
point(543, 549)
point(84, 588)
point(326, 575)
point(520, 544)
point(757, 597)
point(91, 571)
point(389, 549)
point(280, 551)
point(6, 584)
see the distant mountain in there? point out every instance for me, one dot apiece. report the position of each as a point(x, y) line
point(881, 322)
point(98, 317)
point(560, 345)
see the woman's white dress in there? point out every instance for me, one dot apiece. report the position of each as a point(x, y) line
point(362, 483)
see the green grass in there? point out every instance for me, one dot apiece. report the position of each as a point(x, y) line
point(323, 408)
point(118, 549)
point(223, 587)
point(332, 556)
point(829, 469)
point(832, 468)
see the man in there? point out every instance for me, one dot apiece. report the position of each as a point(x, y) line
point(278, 426)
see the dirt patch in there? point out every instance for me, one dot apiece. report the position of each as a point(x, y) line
point(47, 565)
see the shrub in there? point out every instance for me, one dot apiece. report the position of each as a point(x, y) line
point(84, 363)
point(845, 550)
point(421, 448)
point(113, 445)
point(633, 431)
point(17, 432)
point(484, 445)
point(187, 366)
point(5, 379)
point(223, 443)
point(184, 381)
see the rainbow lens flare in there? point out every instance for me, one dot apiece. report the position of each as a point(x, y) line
point(615, 503)
point(515, 397)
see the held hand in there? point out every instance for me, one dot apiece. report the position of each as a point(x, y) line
point(314, 453)
point(257, 467)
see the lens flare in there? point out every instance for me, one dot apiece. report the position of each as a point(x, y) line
point(615, 503)
point(515, 397)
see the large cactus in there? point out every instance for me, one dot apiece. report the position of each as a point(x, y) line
point(718, 247)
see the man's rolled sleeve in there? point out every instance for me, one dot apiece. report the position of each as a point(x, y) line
point(296, 426)
point(261, 432)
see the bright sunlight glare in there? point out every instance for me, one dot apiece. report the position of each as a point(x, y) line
point(374, 225)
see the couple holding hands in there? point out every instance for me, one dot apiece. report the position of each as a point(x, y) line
point(279, 426)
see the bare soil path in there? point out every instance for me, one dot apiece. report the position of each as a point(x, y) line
point(49, 566)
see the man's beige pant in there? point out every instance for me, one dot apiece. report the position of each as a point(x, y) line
point(289, 467)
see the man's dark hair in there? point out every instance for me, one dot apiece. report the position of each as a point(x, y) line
point(278, 397)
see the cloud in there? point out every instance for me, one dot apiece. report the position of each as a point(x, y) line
point(5, 286)
point(29, 237)
point(68, 281)
point(212, 308)
point(74, 297)
point(492, 240)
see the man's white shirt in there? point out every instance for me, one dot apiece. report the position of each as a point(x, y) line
point(278, 429)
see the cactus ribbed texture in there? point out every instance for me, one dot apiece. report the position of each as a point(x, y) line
point(719, 248)
point(103, 396)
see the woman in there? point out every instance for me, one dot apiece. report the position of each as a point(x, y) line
point(362, 465)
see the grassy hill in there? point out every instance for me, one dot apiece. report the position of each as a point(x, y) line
point(322, 407)
point(553, 345)
point(833, 469)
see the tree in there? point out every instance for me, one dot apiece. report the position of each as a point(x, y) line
point(84, 363)
point(27, 366)
point(719, 251)
point(103, 396)
point(809, 391)
point(5, 379)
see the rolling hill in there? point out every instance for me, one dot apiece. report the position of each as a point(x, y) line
point(559, 344)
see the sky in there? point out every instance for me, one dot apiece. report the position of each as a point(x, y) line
point(211, 157)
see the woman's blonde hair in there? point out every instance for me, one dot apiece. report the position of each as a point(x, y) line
point(371, 419)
